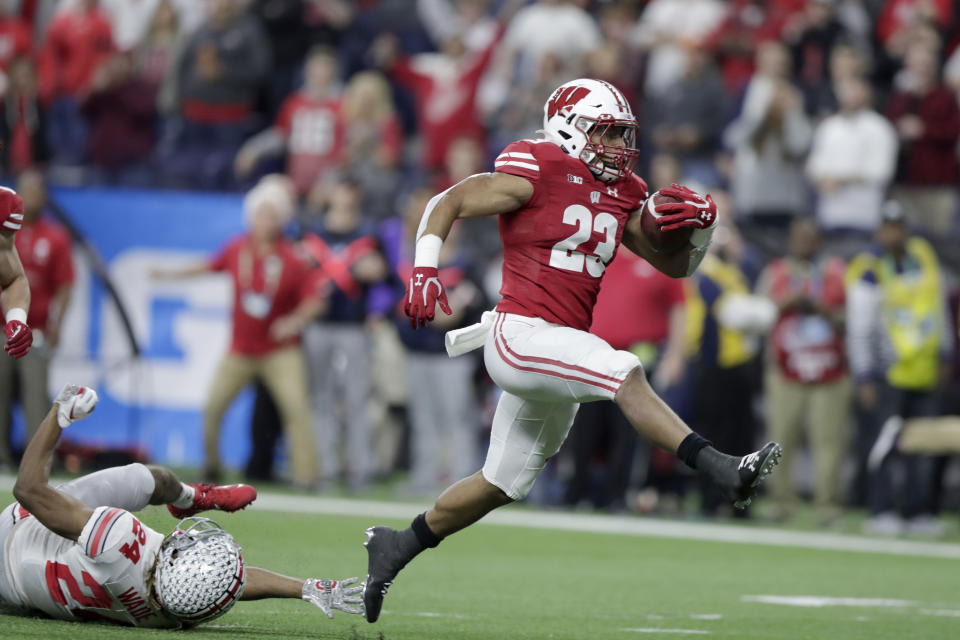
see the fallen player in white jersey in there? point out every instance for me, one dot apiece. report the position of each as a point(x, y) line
point(76, 552)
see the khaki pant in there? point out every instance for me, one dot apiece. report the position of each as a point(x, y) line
point(31, 371)
point(284, 374)
point(931, 208)
point(825, 408)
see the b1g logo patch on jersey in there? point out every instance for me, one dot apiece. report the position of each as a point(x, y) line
point(574, 179)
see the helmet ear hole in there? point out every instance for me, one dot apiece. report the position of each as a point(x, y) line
point(565, 135)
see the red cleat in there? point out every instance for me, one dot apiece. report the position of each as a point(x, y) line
point(229, 498)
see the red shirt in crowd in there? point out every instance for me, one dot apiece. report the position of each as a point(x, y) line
point(44, 249)
point(901, 14)
point(265, 287)
point(314, 137)
point(635, 302)
point(930, 160)
point(15, 40)
point(807, 348)
point(446, 100)
point(78, 42)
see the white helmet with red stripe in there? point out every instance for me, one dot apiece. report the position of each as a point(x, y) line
point(591, 120)
point(199, 573)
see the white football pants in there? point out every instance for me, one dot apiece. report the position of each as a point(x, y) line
point(545, 370)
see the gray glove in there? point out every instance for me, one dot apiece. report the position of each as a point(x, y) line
point(332, 594)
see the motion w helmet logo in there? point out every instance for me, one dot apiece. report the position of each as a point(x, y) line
point(565, 97)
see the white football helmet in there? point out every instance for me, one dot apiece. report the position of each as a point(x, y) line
point(591, 120)
point(199, 574)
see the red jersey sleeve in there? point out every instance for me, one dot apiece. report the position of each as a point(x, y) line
point(519, 159)
point(224, 258)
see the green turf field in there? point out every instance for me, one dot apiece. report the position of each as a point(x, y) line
point(506, 582)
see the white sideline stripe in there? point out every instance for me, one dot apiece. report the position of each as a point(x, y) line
point(621, 525)
point(689, 632)
point(588, 523)
point(827, 601)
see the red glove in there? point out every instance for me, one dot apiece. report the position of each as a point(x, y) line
point(19, 338)
point(695, 212)
point(424, 291)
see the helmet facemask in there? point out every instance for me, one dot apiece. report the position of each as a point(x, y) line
point(607, 160)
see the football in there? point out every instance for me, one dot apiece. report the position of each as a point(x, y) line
point(665, 241)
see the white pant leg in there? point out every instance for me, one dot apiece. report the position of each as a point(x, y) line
point(525, 434)
point(129, 487)
point(539, 360)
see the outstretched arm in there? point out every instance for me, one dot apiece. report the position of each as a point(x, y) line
point(57, 511)
point(325, 594)
point(483, 194)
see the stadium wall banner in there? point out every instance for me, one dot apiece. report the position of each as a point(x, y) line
point(156, 401)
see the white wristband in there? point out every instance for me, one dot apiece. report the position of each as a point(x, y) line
point(17, 314)
point(428, 251)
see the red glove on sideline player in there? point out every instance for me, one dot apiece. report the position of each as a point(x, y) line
point(695, 212)
point(424, 291)
point(19, 338)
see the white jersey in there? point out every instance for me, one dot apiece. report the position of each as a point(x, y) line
point(102, 576)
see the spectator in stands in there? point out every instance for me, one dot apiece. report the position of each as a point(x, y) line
point(121, 112)
point(372, 140)
point(218, 77)
point(16, 37)
point(685, 119)
point(806, 383)
point(338, 345)
point(275, 297)
point(443, 411)
point(769, 139)
point(812, 34)
point(545, 27)
point(898, 21)
point(642, 311)
point(130, 19)
point(724, 323)
point(899, 340)
point(735, 40)
point(290, 34)
point(23, 124)
point(846, 63)
point(154, 53)
point(852, 161)
point(927, 120)
point(666, 30)
point(468, 19)
point(444, 87)
point(78, 41)
point(45, 251)
point(307, 127)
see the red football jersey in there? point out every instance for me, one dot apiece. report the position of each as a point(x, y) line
point(557, 246)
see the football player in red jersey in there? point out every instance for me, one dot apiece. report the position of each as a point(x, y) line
point(15, 298)
point(565, 203)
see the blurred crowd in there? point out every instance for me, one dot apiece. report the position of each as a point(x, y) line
point(827, 131)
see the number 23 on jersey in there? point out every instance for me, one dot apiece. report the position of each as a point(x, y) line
point(567, 254)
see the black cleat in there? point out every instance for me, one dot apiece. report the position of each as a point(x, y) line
point(752, 469)
point(384, 562)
